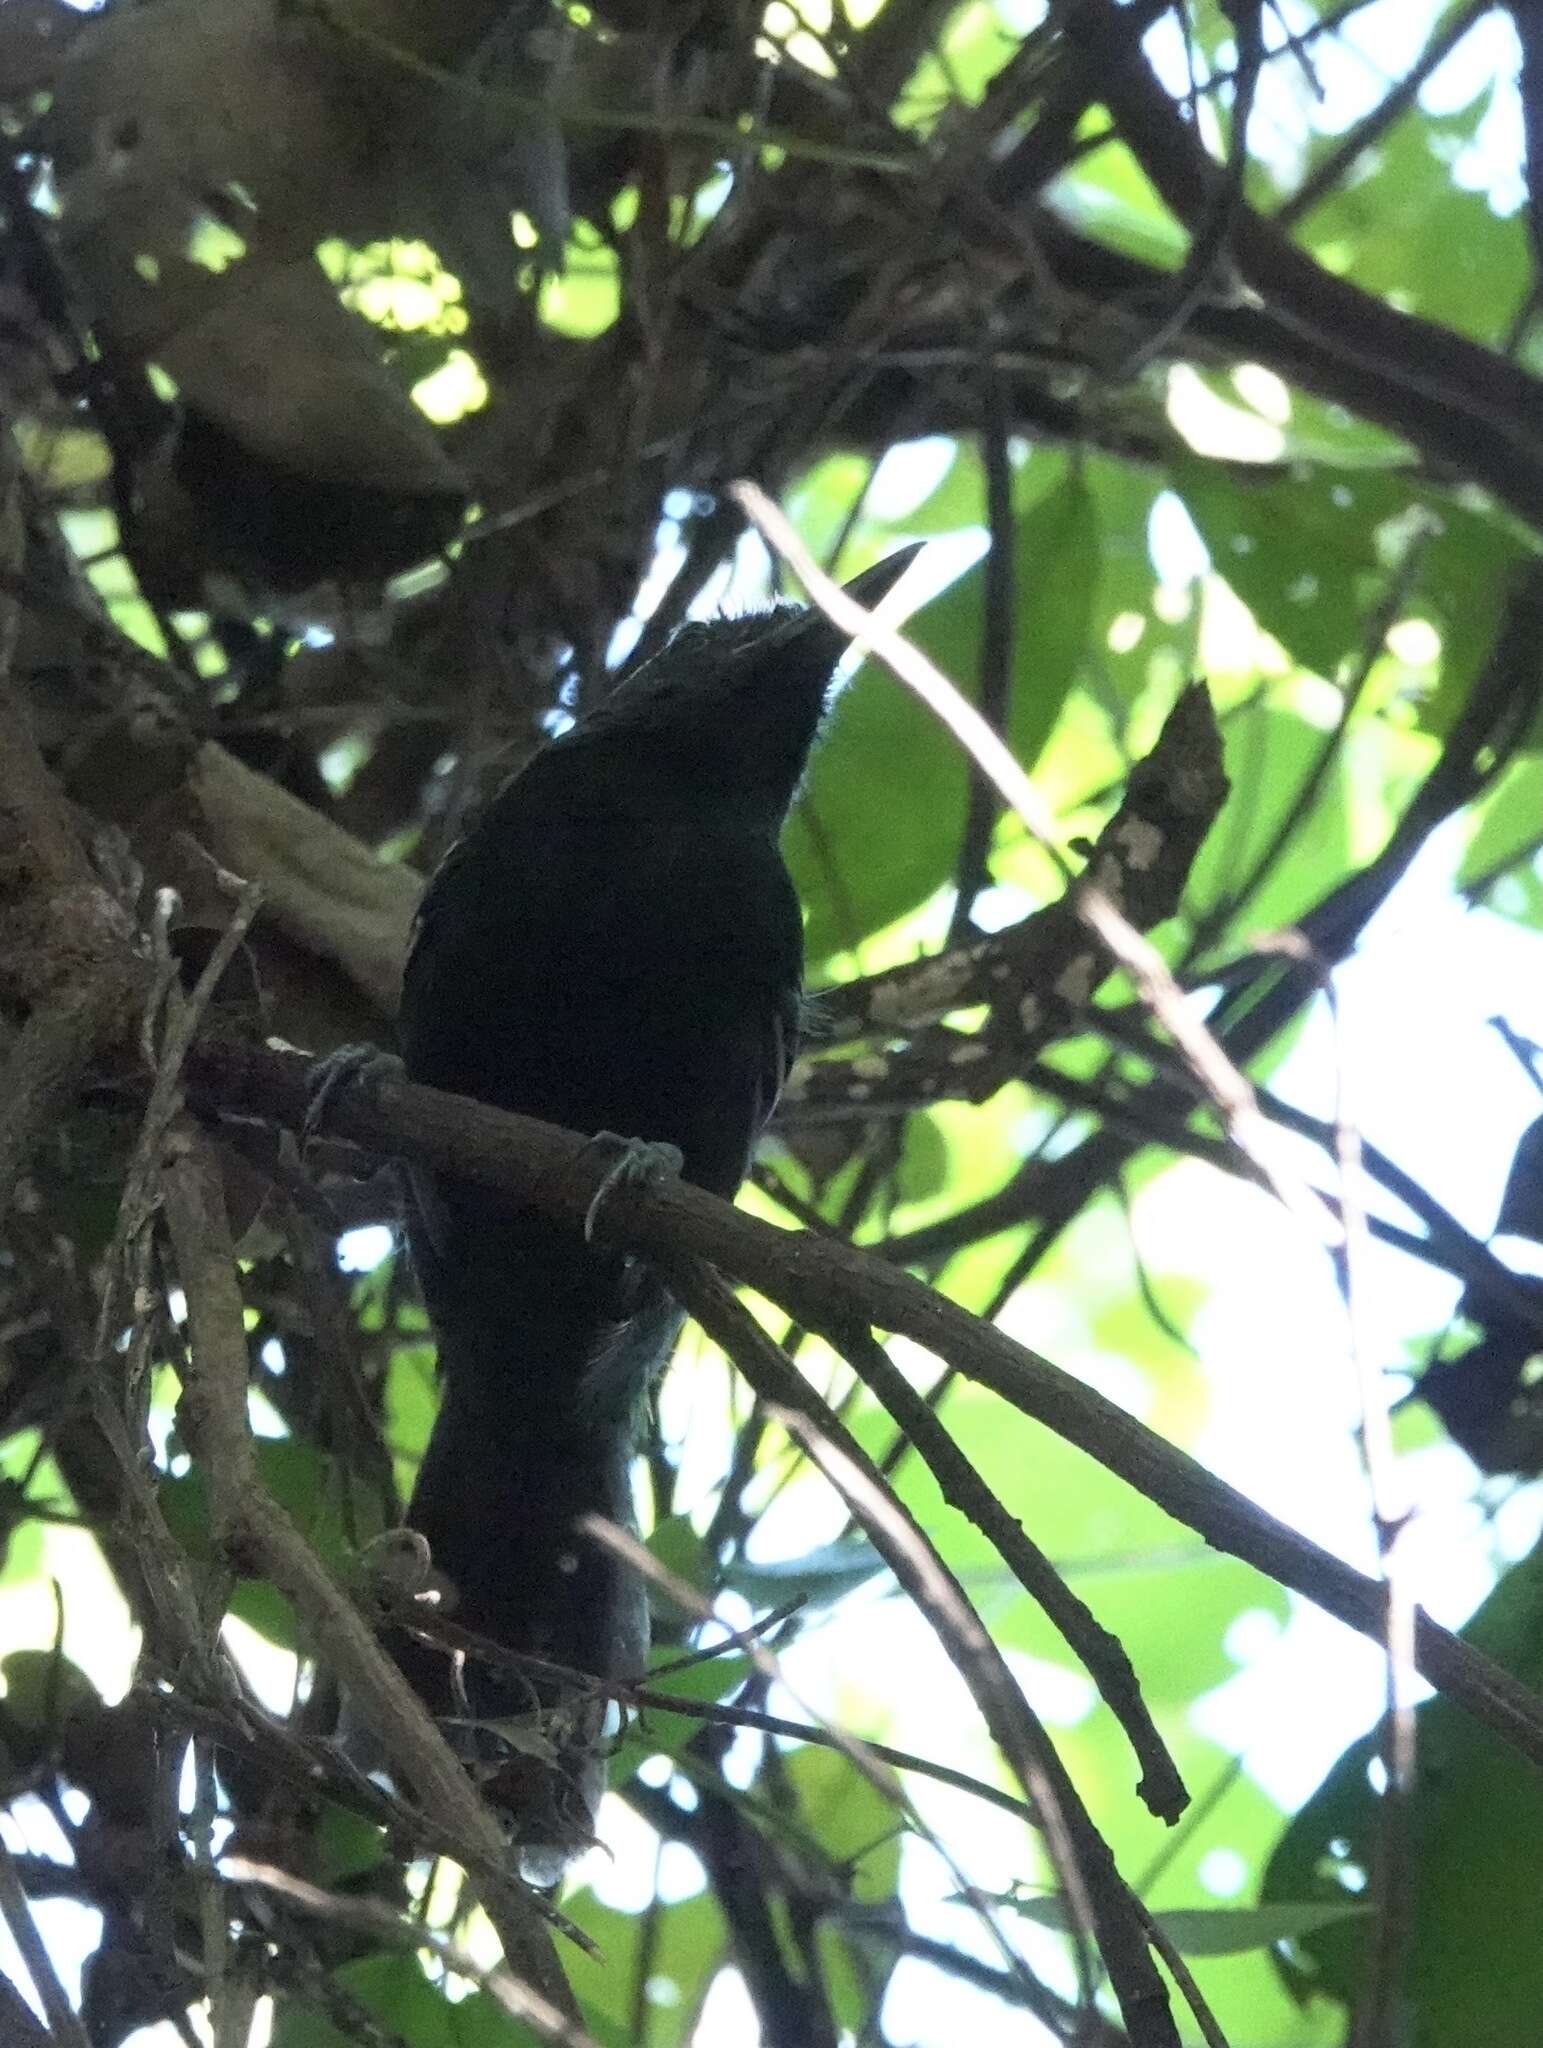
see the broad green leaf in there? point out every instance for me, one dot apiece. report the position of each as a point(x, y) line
point(818, 1576)
point(43, 1688)
point(1475, 1959)
point(972, 48)
point(1509, 822)
point(1057, 548)
point(923, 1169)
point(679, 1548)
point(1310, 552)
point(1207, 1930)
point(1271, 755)
point(411, 1404)
point(820, 502)
point(345, 1845)
point(877, 829)
point(657, 1731)
point(307, 1483)
point(956, 502)
point(855, 1825)
point(21, 1535)
point(393, 1989)
point(676, 1951)
point(1169, 1599)
point(1312, 431)
point(1142, 653)
point(1402, 226)
point(860, 1831)
point(1110, 198)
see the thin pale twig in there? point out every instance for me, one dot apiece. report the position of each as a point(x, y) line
point(1229, 1090)
point(829, 1738)
point(904, 1546)
point(1394, 1876)
point(368, 1916)
point(247, 1521)
point(865, 1756)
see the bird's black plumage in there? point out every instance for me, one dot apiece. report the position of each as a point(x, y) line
point(617, 947)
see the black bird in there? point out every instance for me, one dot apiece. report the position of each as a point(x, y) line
point(615, 947)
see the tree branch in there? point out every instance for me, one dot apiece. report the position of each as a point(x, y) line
point(828, 1285)
point(254, 1531)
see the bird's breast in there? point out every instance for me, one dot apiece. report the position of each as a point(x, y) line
point(634, 976)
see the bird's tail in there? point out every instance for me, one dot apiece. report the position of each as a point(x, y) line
point(503, 1491)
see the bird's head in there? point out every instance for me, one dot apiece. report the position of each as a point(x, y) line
point(736, 703)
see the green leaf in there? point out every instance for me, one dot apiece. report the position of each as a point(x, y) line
point(855, 1825)
point(1509, 821)
point(679, 1548)
point(43, 1688)
point(1207, 1930)
point(1057, 564)
point(1307, 550)
point(861, 1832)
point(1475, 1969)
point(1466, 577)
point(821, 1576)
point(1108, 196)
point(345, 1845)
point(878, 826)
point(1403, 227)
point(956, 501)
point(1139, 651)
point(675, 1951)
point(411, 1404)
point(1171, 1601)
point(1297, 550)
point(1271, 753)
point(657, 1731)
point(264, 1608)
point(820, 502)
point(392, 1989)
point(922, 1173)
point(308, 1484)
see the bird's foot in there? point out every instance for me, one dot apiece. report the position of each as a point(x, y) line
point(639, 1162)
point(335, 1070)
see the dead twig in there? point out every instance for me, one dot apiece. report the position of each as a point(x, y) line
point(823, 1280)
point(250, 1526)
point(369, 1917)
point(874, 1760)
point(64, 2022)
point(1225, 1085)
point(68, 944)
point(1096, 1897)
point(1162, 1789)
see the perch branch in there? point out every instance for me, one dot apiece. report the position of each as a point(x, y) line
point(831, 1284)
